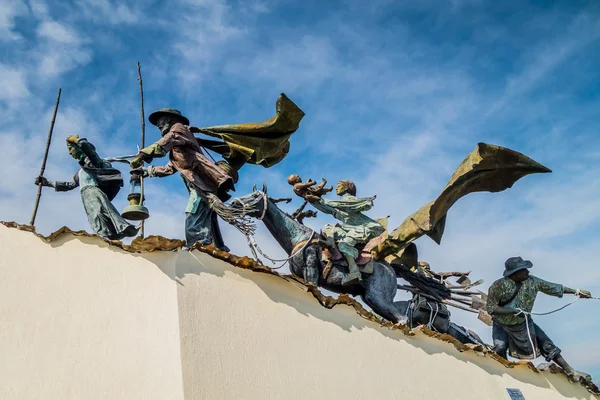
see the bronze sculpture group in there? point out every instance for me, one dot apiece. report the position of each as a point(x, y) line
point(356, 255)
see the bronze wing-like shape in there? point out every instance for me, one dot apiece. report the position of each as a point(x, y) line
point(488, 168)
point(264, 143)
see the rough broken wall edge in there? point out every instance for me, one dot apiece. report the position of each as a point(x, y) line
point(159, 243)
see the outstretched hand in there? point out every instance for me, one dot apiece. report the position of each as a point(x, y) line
point(137, 162)
point(143, 171)
point(41, 180)
point(585, 294)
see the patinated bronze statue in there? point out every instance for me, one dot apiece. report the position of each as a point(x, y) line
point(487, 168)
point(99, 184)
point(208, 182)
point(201, 176)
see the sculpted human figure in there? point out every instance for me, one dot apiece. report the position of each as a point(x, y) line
point(99, 183)
point(201, 176)
point(308, 190)
point(510, 300)
point(356, 228)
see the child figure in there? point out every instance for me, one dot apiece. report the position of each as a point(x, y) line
point(306, 189)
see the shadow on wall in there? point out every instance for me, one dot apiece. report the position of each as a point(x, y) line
point(346, 318)
point(177, 264)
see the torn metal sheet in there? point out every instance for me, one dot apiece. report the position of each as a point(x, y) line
point(488, 168)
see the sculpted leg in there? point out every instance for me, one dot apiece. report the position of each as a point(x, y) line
point(354, 275)
point(306, 264)
point(198, 225)
point(348, 249)
point(311, 269)
point(380, 290)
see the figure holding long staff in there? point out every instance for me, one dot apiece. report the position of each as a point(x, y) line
point(99, 184)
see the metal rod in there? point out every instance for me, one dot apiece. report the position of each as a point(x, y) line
point(464, 292)
point(413, 290)
point(460, 307)
point(468, 303)
point(139, 68)
point(39, 192)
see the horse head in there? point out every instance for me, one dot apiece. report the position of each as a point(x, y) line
point(253, 204)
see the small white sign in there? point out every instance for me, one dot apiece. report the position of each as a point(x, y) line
point(515, 394)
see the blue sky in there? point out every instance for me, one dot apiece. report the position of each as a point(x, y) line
point(395, 95)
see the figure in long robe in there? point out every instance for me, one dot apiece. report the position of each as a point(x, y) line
point(99, 184)
point(356, 228)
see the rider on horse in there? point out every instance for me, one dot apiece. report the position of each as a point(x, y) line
point(356, 228)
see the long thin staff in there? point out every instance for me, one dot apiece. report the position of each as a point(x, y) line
point(143, 139)
point(39, 192)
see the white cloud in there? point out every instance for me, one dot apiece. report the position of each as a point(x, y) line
point(108, 12)
point(9, 10)
point(61, 48)
point(57, 32)
point(13, 82)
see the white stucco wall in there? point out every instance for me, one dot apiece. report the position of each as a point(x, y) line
point(80, 320)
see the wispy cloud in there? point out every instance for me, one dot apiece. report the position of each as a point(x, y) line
point(9, 10)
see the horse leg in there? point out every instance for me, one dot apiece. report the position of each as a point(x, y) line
point(306, 265)
point(380, 290)
point(311, 264)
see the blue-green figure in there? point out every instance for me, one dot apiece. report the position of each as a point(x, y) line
point(99, 184)
point(356, 228)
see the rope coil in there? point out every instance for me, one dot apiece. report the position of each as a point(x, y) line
point(248, 229)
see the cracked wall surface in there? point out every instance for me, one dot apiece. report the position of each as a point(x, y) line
point(91, 319)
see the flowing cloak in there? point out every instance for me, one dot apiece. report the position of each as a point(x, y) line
point(488, 168)
point(264, 143)
point(186, 157)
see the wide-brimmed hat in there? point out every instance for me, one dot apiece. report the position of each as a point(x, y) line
point(515, 264)
point(153, 118)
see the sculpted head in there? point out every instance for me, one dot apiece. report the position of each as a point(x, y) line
point(164, 123)
point(520, 275)
point(165, 118)
point(345, 186)
point(293, 179)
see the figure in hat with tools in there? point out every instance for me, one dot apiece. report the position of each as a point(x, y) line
point(264, 143)
point(510, 301)
point(201, 176)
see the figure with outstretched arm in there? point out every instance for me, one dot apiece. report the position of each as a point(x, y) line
point(201, 176)
point(355, 229)
point(510, 301)
point(99, 184)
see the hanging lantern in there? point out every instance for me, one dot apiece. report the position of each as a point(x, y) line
point(135, 211)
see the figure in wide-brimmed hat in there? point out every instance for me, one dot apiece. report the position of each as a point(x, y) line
point(200, 175)
point(99, 183)
point(510, 301)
